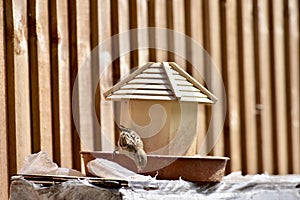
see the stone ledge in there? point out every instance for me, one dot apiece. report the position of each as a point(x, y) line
point(71, 190)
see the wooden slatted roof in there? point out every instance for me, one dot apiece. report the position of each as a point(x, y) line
point(160, 81)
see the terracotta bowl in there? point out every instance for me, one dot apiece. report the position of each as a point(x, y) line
point(190, 168)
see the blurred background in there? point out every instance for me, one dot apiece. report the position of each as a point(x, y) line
point(254, 43)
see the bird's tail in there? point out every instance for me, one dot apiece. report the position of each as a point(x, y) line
point(140, 159)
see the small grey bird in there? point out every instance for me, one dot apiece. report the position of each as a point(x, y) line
point(131, 144)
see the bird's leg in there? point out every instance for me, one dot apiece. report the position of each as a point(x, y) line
point(115, 152)
point(139, 168)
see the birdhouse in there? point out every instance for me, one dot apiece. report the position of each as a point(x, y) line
point(160, 102)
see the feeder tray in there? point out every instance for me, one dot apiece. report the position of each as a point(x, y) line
point(190, 168)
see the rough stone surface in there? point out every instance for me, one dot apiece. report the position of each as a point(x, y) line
point(22, 189)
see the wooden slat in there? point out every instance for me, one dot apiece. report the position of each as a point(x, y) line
point(21, 124)
point(247, 97)
point(34, 77)
point(188, 88)
point(216, 63)
point(139, 97)
point(207, 70)
point(196, 21)
point(54, 81)
point(294, 10)
point(116, 71)
point(152, 70)
point(151, 76)
point(291, 36)
point(151, 33)
point(142, 22)
point(43, 63)
point(3, 110)
point(232, 126)
point(146, 86)
point(124, 23)
point(10, 84)
point(134, 53)
point(160, 22)
point(189, 42)
point(146, 92)
point(73, 67)
point(258, 96)
point(200, 100)
point(170, 28)
point(148, 81)
point(193, 94)
point(65, 116)
point(179, 77)
point(84, 74)
point(95, 70)
point(278, 86)
point(264, 108)
point(106, 78)
point(179, 28)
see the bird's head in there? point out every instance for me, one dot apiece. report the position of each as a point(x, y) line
point(123, 128)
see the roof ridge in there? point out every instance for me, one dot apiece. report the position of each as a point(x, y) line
point(171, 80)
